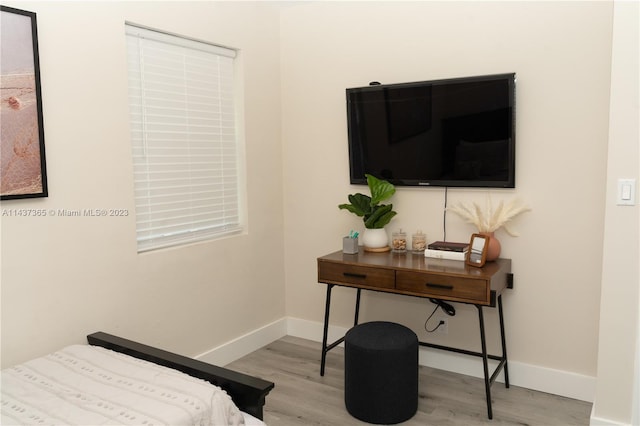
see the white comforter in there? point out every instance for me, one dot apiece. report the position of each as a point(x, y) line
point(89, 385)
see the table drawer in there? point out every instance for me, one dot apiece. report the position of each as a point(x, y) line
point(365, 276)
point(451, 287)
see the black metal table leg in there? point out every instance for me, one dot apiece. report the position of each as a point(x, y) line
point(487, 382)
point(355, 320)
point(504, 342)
point(325, 332)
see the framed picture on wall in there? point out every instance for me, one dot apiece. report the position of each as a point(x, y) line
point(22, 158)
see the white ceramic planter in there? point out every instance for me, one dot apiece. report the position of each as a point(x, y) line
point(375, 238)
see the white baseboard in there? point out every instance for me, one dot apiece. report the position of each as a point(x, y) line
point(598, 421)
point(529, 376)
point(244, 345)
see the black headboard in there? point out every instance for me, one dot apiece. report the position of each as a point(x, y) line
point(247, 392)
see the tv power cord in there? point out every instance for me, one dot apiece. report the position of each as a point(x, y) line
point(446, 308)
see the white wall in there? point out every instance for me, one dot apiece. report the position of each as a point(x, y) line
point(64, 277)
point(561, 54)
point(619, 309)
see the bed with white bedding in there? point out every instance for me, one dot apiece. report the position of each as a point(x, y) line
point(114, 381)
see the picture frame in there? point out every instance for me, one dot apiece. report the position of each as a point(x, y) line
point(22, 155)
point(477, 253)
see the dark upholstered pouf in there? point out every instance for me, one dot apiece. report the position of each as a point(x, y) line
point(381, 372)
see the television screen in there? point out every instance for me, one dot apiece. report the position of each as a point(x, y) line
point(456, 132)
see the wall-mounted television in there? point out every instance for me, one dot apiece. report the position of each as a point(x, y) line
point(457, 132)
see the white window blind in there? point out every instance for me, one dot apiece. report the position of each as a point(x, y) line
point(185, 153)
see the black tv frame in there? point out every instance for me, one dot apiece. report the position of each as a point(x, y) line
point(357, 169)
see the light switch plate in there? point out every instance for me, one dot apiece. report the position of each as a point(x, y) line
point(626, 192)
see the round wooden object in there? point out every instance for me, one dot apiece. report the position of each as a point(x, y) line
point(377, 249)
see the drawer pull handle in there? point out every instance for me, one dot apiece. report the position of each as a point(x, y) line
point(352, 275)
point(440, 286)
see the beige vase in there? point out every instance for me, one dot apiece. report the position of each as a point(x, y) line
point(493, 251)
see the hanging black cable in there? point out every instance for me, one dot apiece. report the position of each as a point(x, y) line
point(444, 219)
point(427, 320)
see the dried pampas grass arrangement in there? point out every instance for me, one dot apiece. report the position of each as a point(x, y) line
point(490, 219)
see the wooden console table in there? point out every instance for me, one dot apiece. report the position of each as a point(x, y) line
point(414, 275)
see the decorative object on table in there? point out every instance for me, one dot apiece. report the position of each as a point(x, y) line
point(418, 242)
point(446, 254)
point(375, 240)
point(350, 243)
point(448, 246)
point(23, 172)
point(489, 220)
point(478, 247)
point(493, 246)
point(447, 250)
point(399, 242)
point(374, 214)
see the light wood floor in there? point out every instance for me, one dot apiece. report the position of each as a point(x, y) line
point(302, 397)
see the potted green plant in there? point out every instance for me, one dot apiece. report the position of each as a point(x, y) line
point(374, 214)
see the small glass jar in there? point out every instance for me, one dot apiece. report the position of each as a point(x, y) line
point(418, 242)
point(399, 242)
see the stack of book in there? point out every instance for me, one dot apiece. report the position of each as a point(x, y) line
point(447, 250)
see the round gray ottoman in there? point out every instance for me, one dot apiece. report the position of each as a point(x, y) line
point(381, 372)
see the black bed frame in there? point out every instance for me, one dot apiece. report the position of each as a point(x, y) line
point(247, 392)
